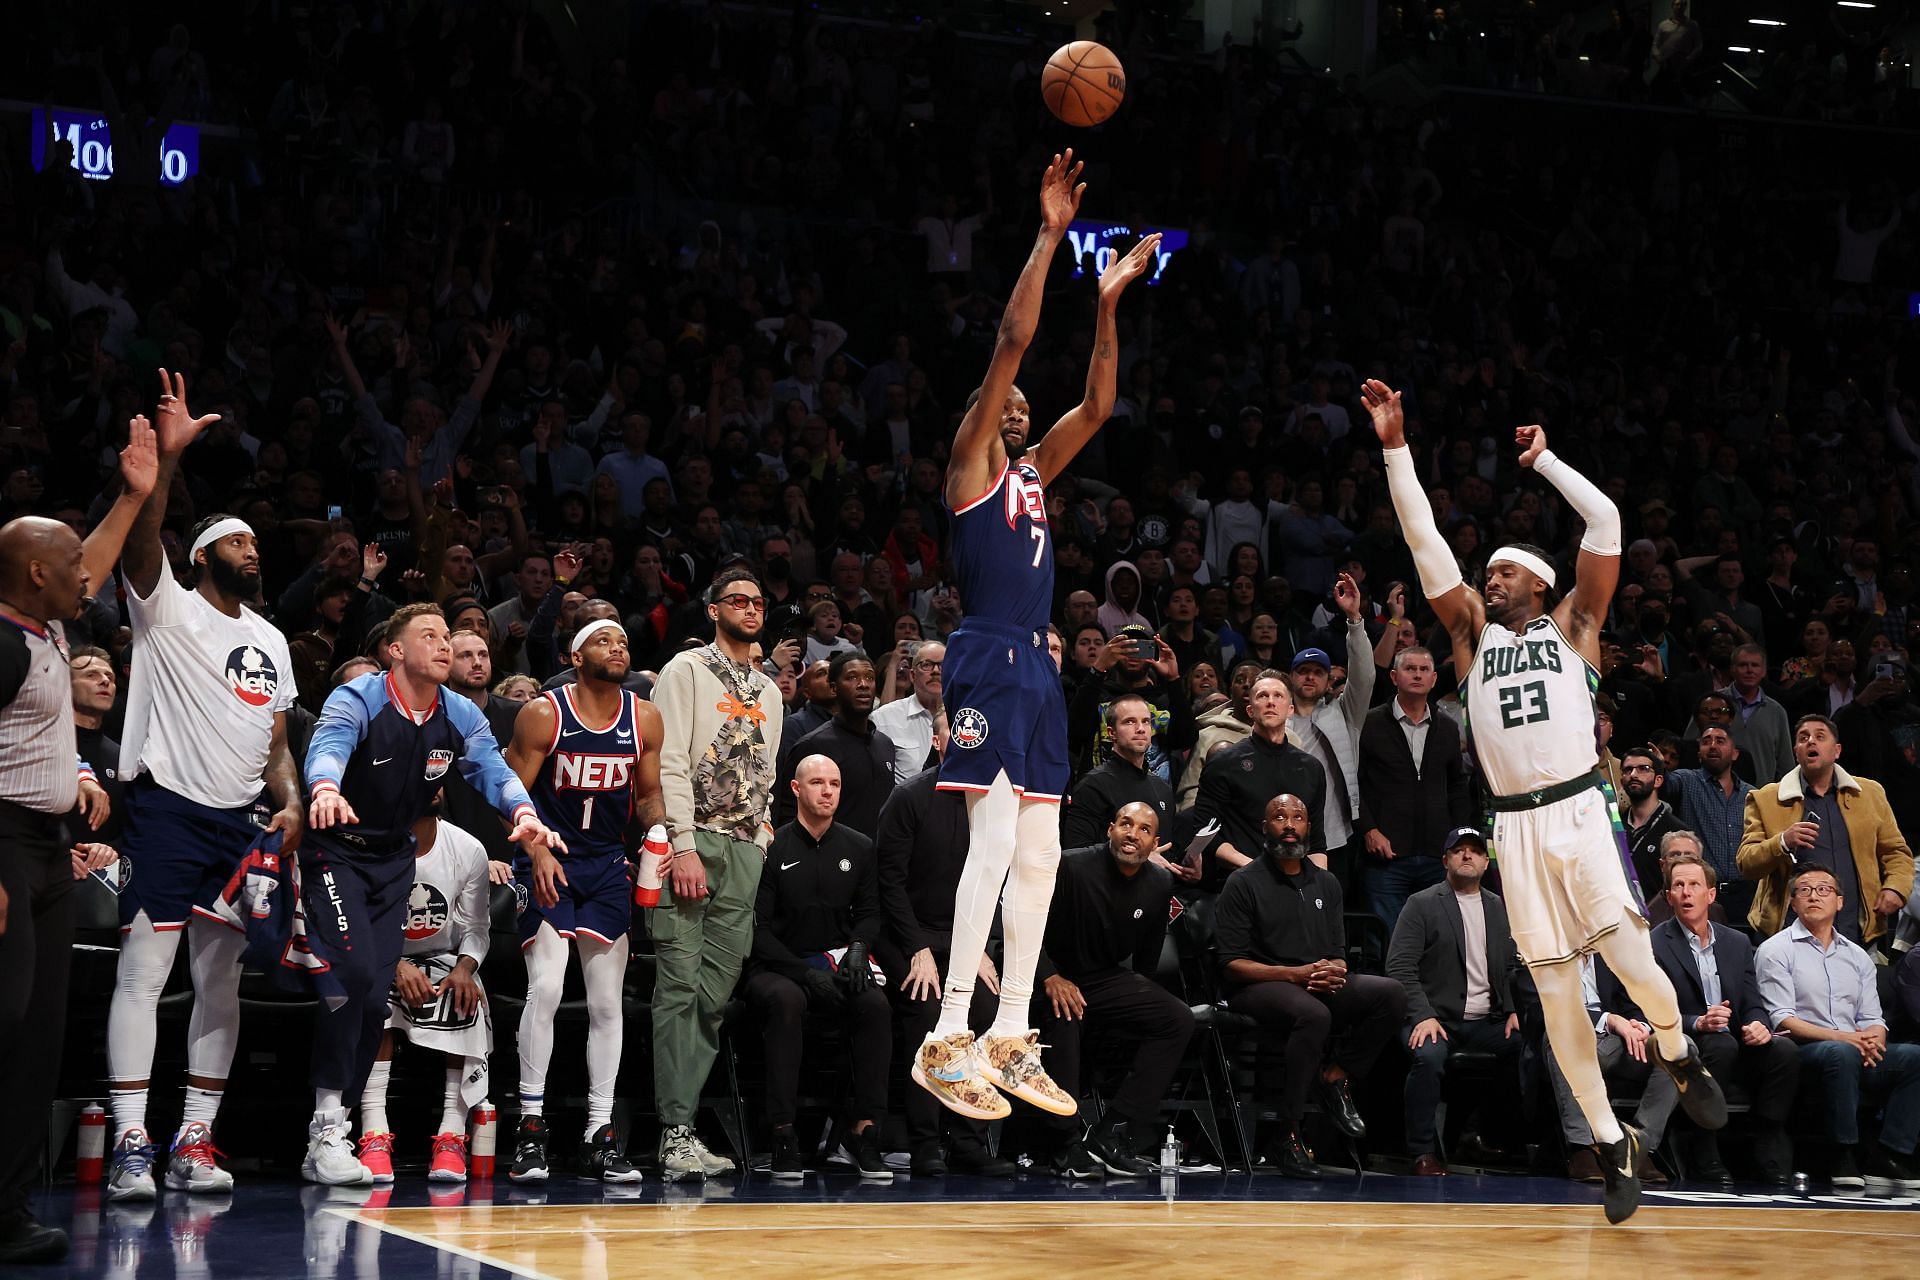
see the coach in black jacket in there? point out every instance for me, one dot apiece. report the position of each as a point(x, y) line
point(1732, 1030)
point(1453, 953)
point(1408, 805)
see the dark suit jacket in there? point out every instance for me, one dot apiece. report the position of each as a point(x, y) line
point(1732, 954)
point(1428, 956)
point(1414, 812)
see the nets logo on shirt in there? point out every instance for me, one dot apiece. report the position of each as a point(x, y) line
point(426, 912)
point(969, 728)
point(252, 676)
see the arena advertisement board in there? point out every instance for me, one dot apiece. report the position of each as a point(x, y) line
point(91, 138)
point(1107, 241)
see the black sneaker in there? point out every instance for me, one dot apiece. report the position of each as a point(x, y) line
point(1336, 1099)
point(1700, 1094)
point(1075, 1163)
point(24, 1240)
point(602, 1161)
point(530, 1151)
point(976, 1161)
point(1291, 1159)
point(1891, 1175)
point(928, 1162)
point(1619, 1164)
point(786, 1165)
point(865, 1147)
point(1846, 1171)
point(1111, 1144)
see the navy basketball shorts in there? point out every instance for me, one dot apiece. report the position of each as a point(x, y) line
point(178, 855)
point(1005, 711)
point(596, 901)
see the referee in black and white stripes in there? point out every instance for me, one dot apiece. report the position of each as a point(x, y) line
point(45, 571)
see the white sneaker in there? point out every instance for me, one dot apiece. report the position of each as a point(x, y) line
point(680, 1154)
point(190, 1165)
point(132, 1177)
point(714, 1165)
point(330, 1158)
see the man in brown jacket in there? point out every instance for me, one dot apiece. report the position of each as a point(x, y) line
point(1821, 815)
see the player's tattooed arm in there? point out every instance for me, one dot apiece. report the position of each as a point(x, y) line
point(283, 784)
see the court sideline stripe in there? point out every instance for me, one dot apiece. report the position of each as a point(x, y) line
point(1001, 1204)
point(690, 1228)
point(485, 1260)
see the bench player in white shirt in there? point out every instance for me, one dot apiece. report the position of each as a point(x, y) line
point(205, 742)
point(437, 1000)
point(1529, 667)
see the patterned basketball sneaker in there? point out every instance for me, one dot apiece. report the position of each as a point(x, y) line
point(950, 1069)
point(190, 1165)
point(376, 1152)
point(449, 1158)
point(132, 1176)
point(1013, 1065)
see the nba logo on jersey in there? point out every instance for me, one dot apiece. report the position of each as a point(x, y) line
point(251, 676)
point(969, 728)
point(1025, 496)
point(438, 763)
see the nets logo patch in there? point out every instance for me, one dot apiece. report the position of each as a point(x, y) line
point(252, 676)
point(438, 762)
point(426, 912)
point(969, 728)
point(519, 898)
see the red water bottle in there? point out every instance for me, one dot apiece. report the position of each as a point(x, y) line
point(646, 885)
point(90, 1147)
point(486, 1130)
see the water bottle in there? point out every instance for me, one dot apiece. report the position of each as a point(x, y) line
point(646, 885)
point(1169, 1154)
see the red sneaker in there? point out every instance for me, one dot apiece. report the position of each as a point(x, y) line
point(376, 1153)
point(449, 1158)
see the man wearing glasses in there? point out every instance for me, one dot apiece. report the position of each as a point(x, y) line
point(1819, 988)
point(917, 723)
point(721, 722)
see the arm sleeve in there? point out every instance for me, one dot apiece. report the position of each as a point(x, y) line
point(542, 645)
point(1080, 823)
point(1357, 698)
point(674, 695)
point(472, 919)
point(587, 430)
point(15, 663)
point(893, 852)
point(388, 436)
point(1592, 506)
point(1439, 572)
point(1871, 1014)
point(1233, 925)
point(1771, 968)
point(868, 921)
point(782, 806)
point(1150, 934)
point(341, 729)
point(481, 763)
point(1403, 962)
point(767, 948)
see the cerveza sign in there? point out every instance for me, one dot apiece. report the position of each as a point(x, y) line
point(91, 139)
point(1107, 241)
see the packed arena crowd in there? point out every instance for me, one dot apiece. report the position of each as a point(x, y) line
point(474, 404)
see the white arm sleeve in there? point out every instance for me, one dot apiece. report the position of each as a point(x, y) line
point(1594, 507)
point(1439, 573)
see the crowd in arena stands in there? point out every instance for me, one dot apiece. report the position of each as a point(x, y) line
point(452, 366)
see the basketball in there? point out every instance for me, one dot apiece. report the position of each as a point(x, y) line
point(1083, 83)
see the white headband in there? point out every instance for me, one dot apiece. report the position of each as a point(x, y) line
point(1526, 560)
point(585, 633)
point(218, 530)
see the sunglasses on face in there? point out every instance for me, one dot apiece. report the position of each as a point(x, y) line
point(745, 602)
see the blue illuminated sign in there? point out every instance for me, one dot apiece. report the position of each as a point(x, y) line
point(1108, 240)
point(92, 143)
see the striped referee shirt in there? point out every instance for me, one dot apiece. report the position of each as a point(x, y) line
point(37, 737)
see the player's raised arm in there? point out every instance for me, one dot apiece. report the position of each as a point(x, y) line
point(1458, 606)
point(1598, 570)
point(977, 451)
point(1069, 435)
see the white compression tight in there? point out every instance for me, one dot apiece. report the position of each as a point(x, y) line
point(1006, 834)
point(603, 968)
point(1570, 1028)
point(146, 959)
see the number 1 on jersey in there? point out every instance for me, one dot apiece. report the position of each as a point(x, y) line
point(586, 814)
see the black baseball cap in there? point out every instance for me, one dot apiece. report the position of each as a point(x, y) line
point(1460, 835)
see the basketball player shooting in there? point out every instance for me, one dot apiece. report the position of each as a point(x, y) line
point(1529, 667)
point(1008, 749)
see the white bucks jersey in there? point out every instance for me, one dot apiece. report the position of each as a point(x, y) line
point(1530, 708)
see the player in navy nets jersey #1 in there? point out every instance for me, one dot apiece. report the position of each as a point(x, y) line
point(380, 754)
point(589, 754)
point(203, 757)
point(1528, 664)
point(1008, 721)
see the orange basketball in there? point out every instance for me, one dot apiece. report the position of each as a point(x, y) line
point(1083, 83)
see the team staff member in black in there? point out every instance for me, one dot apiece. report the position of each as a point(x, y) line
point(922, 847)
point(1239, 780)
point(1104, 931)
point(45, 571)
point(1281, 943)
point(820, 891)
point(863, 753)
point(1122, 778)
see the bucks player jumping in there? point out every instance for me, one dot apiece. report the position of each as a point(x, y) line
point(1008, 747)
point(1529, 670)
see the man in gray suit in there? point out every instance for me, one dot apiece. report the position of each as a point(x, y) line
point(1453, 953)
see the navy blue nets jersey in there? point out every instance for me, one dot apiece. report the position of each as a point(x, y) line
point(585, 787)
point(1003, 551)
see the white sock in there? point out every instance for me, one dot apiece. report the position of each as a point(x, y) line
point(453, 1116)
point(202, 1106)
point(1023, 913)
point(546, 959)
point(129, 1110)
point(1628, 951)
point(328, 1102)
point(603, 970)
point(1570, 1032)
point(992, 817)
point(373, 1099)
